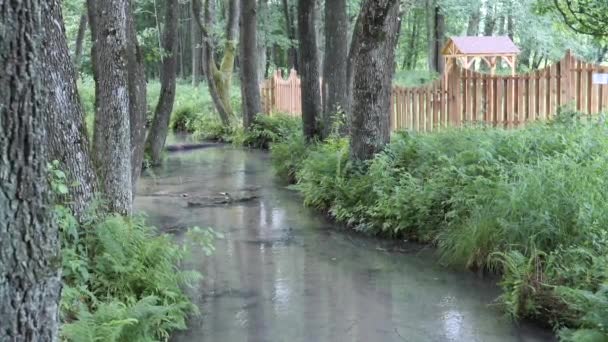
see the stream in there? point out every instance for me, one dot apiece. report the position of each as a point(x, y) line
point(284, 272)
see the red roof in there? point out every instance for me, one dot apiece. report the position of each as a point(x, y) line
point(485, 45)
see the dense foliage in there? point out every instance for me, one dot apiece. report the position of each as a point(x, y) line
point(122, 279)
point(528, 204)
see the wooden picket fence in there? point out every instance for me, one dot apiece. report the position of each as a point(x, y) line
point(464, 96)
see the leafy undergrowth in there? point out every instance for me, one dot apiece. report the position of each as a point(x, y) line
point(528, 204)
point(122, 280)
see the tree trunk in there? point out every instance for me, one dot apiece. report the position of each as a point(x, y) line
point(374, 66)
point(309, 69)
point(67, 135)
point(82, 29)
point(138, 106)
point(250, 88)
point(436, 33)
point(208, 58)
point(262, 38)
point(335, 94)
point(474, 19)
point(490, 20)
point(350, 65)
point(112, 138)
point(162, 114)
point(30, 281)
point(291, 34)
point(196, 51)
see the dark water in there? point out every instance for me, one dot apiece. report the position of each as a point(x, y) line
point(283, 273)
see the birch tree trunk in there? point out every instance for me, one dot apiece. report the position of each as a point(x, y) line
point(335, 93)
point(250, 88)
point(309, 69)
point(30, 282)
point(112, 137)
point(67, 135)
point(162, 115)
point(374, 66)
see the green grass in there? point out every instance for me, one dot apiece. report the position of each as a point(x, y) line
point(528, 204)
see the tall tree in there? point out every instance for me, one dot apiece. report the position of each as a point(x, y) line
point(219, 80)
point(138, 106)
point(474, 20)
point(291, 34)
point(112, 136)
point(374, 66)
point(196, 41)
point(335, 94)
point(309, 69)
point(436, 36)
point(82, 29)
point(584, 16)
point(250, 88)
point(67, 135)
point(162, 115)
point(30, 281)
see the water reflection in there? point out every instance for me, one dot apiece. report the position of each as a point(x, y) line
point(281, 275)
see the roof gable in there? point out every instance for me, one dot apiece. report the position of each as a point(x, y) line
point(486, 45)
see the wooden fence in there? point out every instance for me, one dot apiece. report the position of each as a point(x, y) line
point(464, 96)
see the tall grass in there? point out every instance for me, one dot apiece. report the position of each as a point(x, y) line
point(528, 204)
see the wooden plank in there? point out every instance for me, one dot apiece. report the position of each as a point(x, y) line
point(428, 124)
point(530, 97)
point(591, 91)
point(541, 88)
point(436, 105)
point(421, 110)
point(580, 82)
point(407, 109)
point(509, 99)
point(466, 95)
point(499, 102)
point(415, 123)
point(552, 98)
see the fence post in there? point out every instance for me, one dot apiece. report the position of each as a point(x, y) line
point(565, 75)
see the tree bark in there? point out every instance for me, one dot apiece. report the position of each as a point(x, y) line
point(474, 20)
point(138, 106)
point(209, 59)
point(262, 38)
point(309, 69)
point(196, 51)
point(291, 34)
point(350, 66)
point(82, 29)
point(67, 135)
point(250, 88)
point(490, 20)
point(112, 136)
point(162, 114)
point(30, 280)
point(436, 32)
point(374, 66)
point(335, 94)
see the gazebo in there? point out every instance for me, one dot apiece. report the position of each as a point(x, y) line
point(470, 49)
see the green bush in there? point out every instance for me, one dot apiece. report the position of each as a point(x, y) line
point(528, 204)
point(269, 129)
point(122, 279)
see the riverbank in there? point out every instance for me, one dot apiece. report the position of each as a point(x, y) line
point(525, 204)
point(283, 272)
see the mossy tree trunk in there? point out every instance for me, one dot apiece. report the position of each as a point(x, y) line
point(30, 282)
point(374, 66)
point(219, 79)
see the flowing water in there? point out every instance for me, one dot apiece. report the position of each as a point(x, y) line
point(285, 273)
